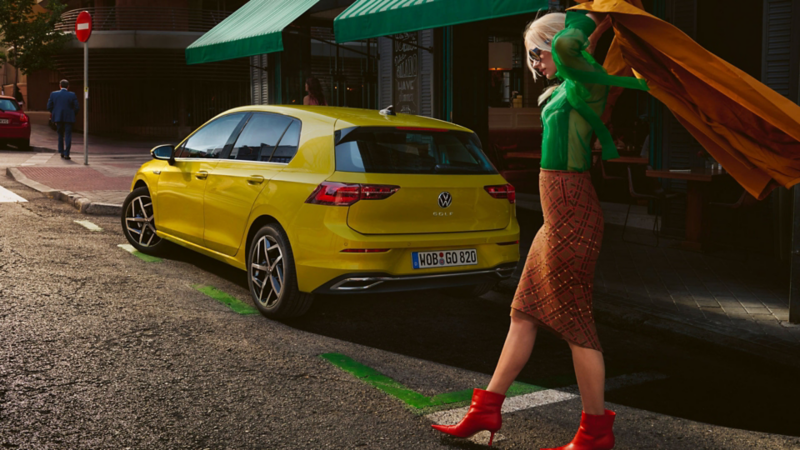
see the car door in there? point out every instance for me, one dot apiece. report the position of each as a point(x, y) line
point(179, 203)
point(266, 144)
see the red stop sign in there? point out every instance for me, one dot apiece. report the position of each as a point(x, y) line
point(83, 26)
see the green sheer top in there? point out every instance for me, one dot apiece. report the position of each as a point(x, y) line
point(573, 111)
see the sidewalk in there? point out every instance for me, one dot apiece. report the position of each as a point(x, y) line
point(100, 187)
point(721, 299)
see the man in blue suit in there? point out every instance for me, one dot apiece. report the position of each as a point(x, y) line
point(64, 105)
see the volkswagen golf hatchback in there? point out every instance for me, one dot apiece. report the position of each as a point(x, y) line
point(321, 200)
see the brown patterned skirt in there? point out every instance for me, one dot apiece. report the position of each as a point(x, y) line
point(555, 290)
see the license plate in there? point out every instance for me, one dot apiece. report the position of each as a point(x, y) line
point(3, 121)
point(444, 258)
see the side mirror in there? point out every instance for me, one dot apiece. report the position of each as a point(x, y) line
point(164, 153)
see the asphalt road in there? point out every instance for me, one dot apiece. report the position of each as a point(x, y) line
point(102, 350)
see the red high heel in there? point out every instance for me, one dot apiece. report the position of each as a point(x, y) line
point(595, 433)
point(483, 414)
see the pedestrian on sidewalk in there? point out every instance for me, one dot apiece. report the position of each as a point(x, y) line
point(316, 96)
point(555, 290)
point(18, 96)
point(64, 106)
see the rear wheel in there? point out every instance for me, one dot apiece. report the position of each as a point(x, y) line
point(138, 222)
point(24, 144)
point(272, 277)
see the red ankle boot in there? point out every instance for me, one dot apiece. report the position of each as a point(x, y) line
point(483, 414)
point(595, 433)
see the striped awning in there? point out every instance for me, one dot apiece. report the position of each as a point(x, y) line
point(254, 29)
point(366, 19)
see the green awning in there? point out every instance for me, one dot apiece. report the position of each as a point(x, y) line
point(366, 19)
point(254, 29)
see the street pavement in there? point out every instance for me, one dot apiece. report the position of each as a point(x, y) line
point(102, 349)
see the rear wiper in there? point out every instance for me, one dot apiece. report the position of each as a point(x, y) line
point(447, 168)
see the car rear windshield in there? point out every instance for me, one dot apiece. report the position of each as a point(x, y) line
point(410, 151)
point(8, 105)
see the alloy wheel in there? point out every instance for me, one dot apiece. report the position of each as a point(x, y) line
point(139, 221)
point(267, 271)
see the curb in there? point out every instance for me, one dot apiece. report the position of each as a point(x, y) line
point(615, 311)
point(82, 204)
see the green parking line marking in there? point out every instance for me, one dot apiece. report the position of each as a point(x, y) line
point(230, 301)
point(410, 397)
point(132, 250)
point(88, 225)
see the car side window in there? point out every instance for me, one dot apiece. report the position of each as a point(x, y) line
point(209, 141)
point(259, 137)
point(288, 145)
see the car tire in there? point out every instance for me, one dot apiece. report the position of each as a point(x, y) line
point(24, 144)
point(138, 223)
point(476, 290)
point(272, 277)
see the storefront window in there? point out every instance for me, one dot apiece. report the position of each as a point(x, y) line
point(348, 72)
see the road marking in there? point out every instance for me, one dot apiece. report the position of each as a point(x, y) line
point(410, 397)
point(88, 225)
point(7, 196)
point(230, 301)
point(132, 250)
point(39, 158)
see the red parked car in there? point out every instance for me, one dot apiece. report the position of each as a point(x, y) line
point(15, 127)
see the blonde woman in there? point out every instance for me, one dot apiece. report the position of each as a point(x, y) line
point(555, 291)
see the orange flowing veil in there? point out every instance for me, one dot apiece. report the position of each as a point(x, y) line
point(751, 130)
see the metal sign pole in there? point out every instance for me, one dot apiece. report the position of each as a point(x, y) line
point(86, 103)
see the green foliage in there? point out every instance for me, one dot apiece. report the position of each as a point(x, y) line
point(30, 38)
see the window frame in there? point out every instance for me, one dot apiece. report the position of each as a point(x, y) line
point(225, 149)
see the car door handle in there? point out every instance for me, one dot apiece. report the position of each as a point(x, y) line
point(255, 179)
point(201, 175)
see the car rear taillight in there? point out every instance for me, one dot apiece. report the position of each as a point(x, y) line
point(503, 191)
point(23, 118)
point(345, 194)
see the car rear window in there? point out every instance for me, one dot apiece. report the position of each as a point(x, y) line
point(410, 151)
point(8, 105)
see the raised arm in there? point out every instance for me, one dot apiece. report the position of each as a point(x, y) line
point(603, 24)
point(568, 45)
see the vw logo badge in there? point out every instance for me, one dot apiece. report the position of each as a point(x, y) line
point(445, 199)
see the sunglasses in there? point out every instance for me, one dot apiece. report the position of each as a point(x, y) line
point(535, 54)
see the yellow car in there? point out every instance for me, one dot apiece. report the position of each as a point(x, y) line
point(327, 200)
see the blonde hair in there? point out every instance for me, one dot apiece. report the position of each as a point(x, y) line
point(539, 34)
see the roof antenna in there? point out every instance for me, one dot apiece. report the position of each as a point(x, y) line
point(388, 111)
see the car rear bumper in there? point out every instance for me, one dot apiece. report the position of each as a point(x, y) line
point(383, 283)
point(14, 132)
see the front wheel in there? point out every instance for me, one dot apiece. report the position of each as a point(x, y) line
point(138, 222)
point(272, 277)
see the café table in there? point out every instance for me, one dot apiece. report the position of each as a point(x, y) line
point(697, 183)
point(630, 160)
